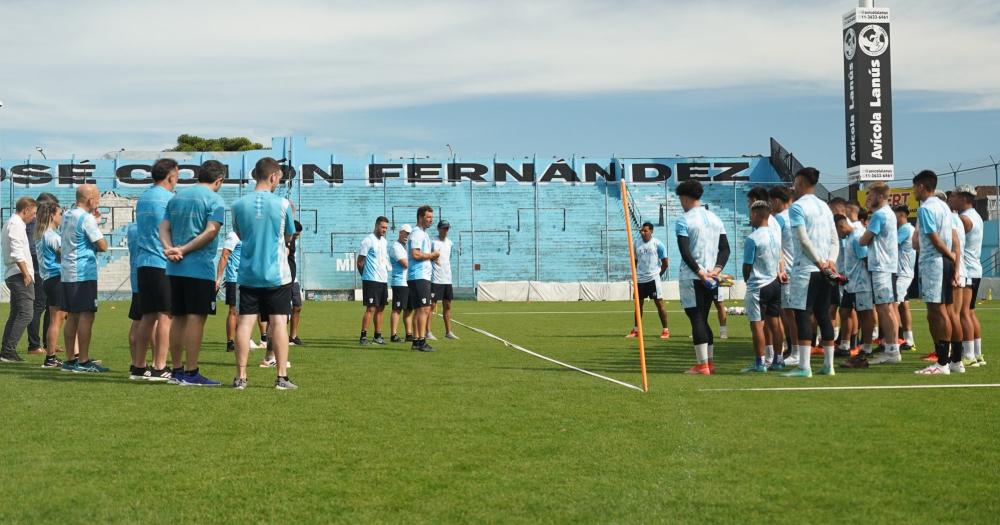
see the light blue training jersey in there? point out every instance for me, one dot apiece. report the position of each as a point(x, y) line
point(79, 233)
point(132, 240)
point(972, 248)
point(787, 244)
point(262, 219)
point(648, 256)
point(855, 255)
point(934, 216)
point(235, 247)
point(397, 253)
point(418, 270)
point(47, 249)
point(703, 230)
point(883, 255)
point(376, 253)
point(149, 213)
point(904, 249)
point(815, 215)
point(189, 213)
point(762, 250)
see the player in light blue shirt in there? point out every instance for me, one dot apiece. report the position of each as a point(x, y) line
point(704, 249)
point(48, 243)
point(651, 262)
point(373, 265)
point(226, 275)
point(883, 261)
point(858, 290)
point(972, 246)
point(816, 250)
point(190, 235)
point(935, 238)
point(420, 254)
point(265, 224)
point(400, 290)
point(152, 283)
point(762, 265)
point(907, 258)
point(81, 240)
point(780, 202)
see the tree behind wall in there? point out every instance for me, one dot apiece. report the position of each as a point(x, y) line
point(195, 143)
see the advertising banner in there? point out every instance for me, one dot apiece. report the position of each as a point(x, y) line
point(868, 95)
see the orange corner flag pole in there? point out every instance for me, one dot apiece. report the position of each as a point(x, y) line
point(635, 286)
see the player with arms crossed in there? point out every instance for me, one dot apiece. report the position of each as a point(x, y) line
point(763, 269)
point(816, 249)
point(651, 263)
point(701, 238)
point(264, 223)
point(373, 265)
point(418, 275)
point(441, 287)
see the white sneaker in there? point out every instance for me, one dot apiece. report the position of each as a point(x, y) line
point(450, 335)
point(431, 336)
point(934, 369)
point(884, 358)
point(792, 360)
point(271, 363)
point(957, 368)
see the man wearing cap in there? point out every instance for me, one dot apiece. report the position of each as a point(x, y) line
point(441, 289)
point(400, 290)
point(373, 265)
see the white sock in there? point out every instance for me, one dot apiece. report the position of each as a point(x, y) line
point(828, 356)
point(908, 335)
point(875, 333)
point(866, 349)
point(701, 353)
point(722, 330)
point(804, 352)
point(711, 352)
point(968, 350)
point(768, 353)
point(979, 347)
point(836, 332)
point(892, 349)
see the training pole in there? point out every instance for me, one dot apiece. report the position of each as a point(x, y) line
point(635, 286)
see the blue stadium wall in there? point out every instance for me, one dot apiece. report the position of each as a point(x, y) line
point(523, 218)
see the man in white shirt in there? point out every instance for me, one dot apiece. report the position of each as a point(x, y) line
point(400, 291)
point(373, 265)
point(19, 274)
point(441, 287)
point(650, 264)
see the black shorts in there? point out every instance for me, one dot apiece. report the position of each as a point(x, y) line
point(948, 274)
point(847, 300)
point(442, 292)
point(400, 298)
point(232, 294)
point(649, 290)
point(79, 297)
point(975, 292)
point(296, 295)
point(374, 293)
point(53, 292)
point(265, 302)
point(154, 290)
point(835, 293)
point(420, 293)
point(133, 309)
point(190, 296)
point(770, 299)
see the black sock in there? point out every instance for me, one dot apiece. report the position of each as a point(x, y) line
point(191, 372)
point(854, 340)
point(378, 335)
point(176, 371)
point(956, 351)
point(941, 349)
point(364, 333)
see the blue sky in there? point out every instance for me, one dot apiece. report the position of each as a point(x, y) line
point(590, 77)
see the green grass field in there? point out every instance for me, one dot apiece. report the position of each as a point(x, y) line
point(479, 432)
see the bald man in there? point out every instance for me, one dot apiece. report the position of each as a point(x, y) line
point(81, 240)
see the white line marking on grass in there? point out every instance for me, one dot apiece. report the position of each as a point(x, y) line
point(600, 312)
point(873, 387)
point(546, 358)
